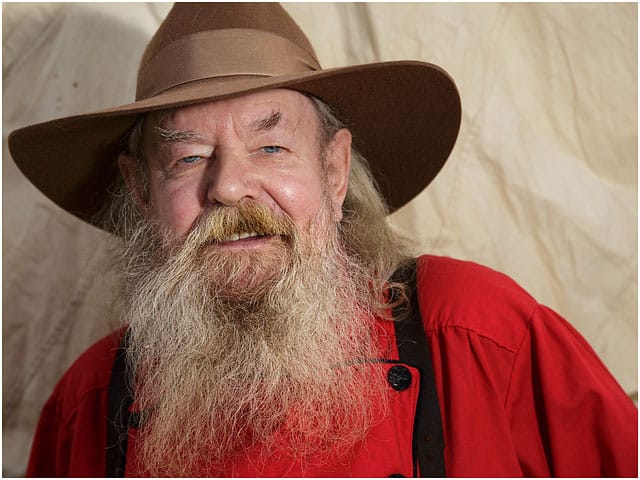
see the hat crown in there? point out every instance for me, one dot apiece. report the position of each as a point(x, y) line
point(196, 31)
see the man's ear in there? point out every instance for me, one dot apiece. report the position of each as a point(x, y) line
point(338, 165)
point(131, 172)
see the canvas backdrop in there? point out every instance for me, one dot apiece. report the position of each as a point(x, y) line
point(541, 185)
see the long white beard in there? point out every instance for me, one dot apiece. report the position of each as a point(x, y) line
point(227, 365)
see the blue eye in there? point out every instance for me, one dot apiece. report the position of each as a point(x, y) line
point(190, 159)
point(272, 149)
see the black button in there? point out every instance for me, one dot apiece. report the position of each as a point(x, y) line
point(396, 475)
point(399, 377)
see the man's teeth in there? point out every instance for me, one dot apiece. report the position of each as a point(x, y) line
point(240, 236)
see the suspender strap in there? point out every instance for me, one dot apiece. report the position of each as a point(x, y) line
point(119, 401)
point(413, 349)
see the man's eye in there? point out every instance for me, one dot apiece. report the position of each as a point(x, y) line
point(271, 149)
point(190, 159)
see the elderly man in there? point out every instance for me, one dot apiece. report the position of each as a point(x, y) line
point(273, 324)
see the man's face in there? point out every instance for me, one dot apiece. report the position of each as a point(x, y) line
point(262, 148)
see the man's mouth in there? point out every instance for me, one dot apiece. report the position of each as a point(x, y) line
point(239, 236)
point(249, 226)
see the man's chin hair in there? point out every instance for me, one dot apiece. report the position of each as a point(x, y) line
point(244, 275)
point(227, 374)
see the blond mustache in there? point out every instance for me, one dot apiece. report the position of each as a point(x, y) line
point(222, 224)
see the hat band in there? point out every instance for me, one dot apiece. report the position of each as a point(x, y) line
point(221, 53)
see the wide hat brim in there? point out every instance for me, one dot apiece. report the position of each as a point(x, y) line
point(404, 117)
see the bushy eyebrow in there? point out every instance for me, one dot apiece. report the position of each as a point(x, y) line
point(170, 135)
point(266, 123)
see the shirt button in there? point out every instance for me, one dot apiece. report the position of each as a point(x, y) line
point(399, 377)
point(396, 475)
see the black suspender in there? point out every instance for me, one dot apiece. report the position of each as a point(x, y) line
point(428, 441)
point(413, 349)
point(119, 401)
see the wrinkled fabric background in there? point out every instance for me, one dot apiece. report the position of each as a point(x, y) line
point(541, 185)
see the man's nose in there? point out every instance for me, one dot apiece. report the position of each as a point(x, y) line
point(230, 178)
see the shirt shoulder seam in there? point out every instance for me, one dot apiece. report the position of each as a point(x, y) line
point(68, 419)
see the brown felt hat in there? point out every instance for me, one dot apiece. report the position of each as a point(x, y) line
point(404, 115)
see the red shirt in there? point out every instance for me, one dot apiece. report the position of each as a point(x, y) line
point(521, 394)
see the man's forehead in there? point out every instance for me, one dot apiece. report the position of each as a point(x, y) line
point(259, 111)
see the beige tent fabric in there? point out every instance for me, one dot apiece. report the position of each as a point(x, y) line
point(542, 184)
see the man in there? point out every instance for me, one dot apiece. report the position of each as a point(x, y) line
point(260, 281)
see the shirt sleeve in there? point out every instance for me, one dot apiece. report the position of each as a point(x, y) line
point(568, 415)
point(50, 451)
point(70, 439)
point(74, 446)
